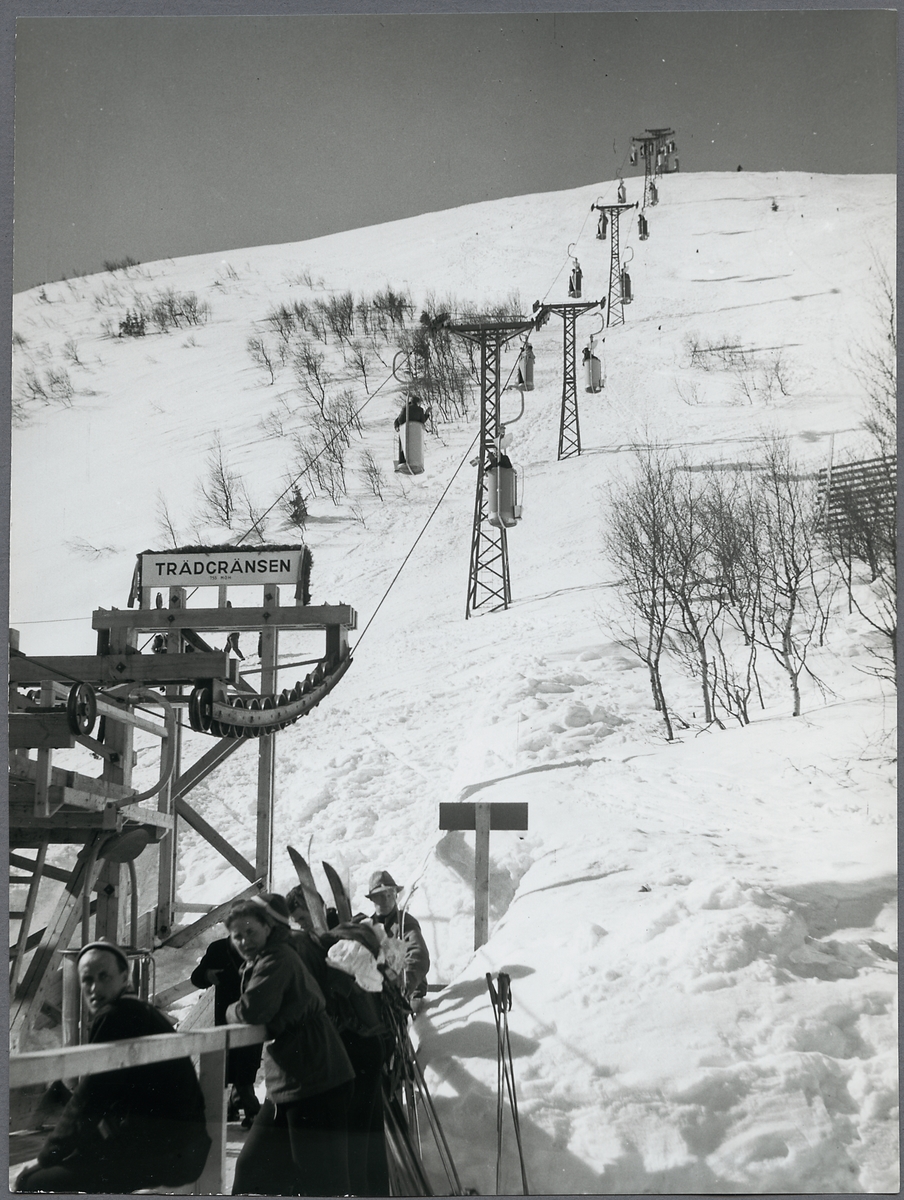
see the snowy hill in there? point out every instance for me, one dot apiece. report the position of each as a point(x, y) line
point(701, 934)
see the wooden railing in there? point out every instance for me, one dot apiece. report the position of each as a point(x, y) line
point(208, 1046)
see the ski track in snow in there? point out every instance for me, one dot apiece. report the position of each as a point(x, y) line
point(701, 935)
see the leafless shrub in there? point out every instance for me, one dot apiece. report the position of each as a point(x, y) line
point(261, 356)
point(221, 488)
point(372, 473)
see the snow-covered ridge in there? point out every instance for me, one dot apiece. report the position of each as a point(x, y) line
point(701, 936)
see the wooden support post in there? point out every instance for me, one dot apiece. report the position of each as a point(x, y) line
point(45, 762)
point(119, 739)
point(482, 818)
point(481, 874)
point(212, 1077)
point(266, 750)
point(168, 849)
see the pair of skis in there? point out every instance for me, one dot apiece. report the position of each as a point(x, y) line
point(313, 899)
point(501, 999)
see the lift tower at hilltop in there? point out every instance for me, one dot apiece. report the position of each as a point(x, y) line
point(655, 146)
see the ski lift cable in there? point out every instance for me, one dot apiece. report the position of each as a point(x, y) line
point(417, 539)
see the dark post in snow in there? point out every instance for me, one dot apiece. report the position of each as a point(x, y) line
point(482, 817)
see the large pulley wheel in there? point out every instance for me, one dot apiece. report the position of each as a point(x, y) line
point(254, 705)
point(81, 709)
point(200, 709)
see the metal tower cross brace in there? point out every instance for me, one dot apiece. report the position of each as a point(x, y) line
point(569, 422)
point(488, 578)
point(615, 314)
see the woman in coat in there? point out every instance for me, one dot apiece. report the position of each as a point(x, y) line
point(139, 1127)
point(298, 1144)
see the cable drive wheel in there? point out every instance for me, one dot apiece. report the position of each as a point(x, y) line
point(81, 709)
point(200, 709)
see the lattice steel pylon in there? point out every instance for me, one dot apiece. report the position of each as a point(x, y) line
point(655, 146)
point(488, 578)
point(615, 314)
point(569, 421)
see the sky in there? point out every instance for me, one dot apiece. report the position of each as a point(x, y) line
point(156, 136)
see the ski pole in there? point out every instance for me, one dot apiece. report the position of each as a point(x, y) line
point(436, 1128)
point(505, 1006)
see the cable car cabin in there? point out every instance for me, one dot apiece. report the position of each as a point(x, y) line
point(642, 227)
point(410, 425)
point(602, 225)
point(503, 509)
point(626, 287)
point(622, 193)
point(654, 194)
point(593, 372)
point(575, 280)
point(526, 367)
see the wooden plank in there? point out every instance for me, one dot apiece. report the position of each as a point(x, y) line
point(43, 731)
point(221, 619)
point(171, 995)
point(502, 815)
point(219, 843)
point(212, 1077)
point(44, 1066)
point(101, 669)
point(183, 936)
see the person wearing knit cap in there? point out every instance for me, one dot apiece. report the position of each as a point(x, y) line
point(384, 892)
point(298, 1144)
point(139, 1127)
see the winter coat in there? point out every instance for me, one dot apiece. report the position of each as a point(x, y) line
point(221, 956)
point(151, 1114)
point(242, 1062)
point(304, 1055)
point(418, 961)
point(411, 412)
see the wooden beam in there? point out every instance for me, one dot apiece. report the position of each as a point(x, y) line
point(219, 843)
point(102, 669)
point(183, 936)
point(26, 1001)
point(44, 1066)
point(209, 761)
point(220, 619)
point(30, 864)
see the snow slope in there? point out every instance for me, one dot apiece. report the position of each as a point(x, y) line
point(701, 935)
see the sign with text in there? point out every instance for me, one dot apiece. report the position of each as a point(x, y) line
point(213, 568)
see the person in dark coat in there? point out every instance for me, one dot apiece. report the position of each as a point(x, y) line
point(412, 410)
point(220, 968)
point(139, 1127)
point(358, 1018)
point(384, 892)
point(298, 1144)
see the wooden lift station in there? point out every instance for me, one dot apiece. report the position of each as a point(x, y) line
point(98, 701)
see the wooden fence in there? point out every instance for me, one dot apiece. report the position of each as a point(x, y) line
point(208, 1047)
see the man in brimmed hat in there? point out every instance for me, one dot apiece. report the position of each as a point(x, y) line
point(384, 892)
